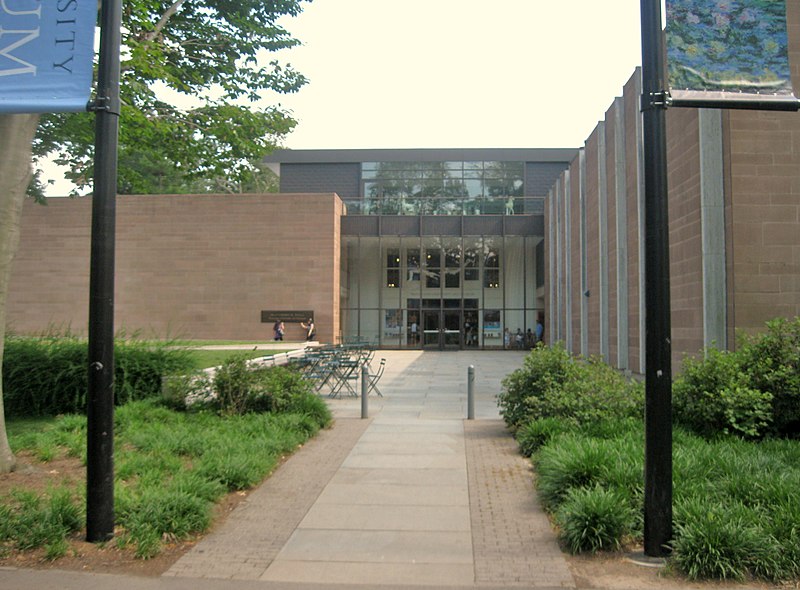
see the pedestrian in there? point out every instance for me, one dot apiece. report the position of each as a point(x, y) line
point(519, 338)
point(279, 329)
point(506, 338)
point(311, 330)
point(539, 331)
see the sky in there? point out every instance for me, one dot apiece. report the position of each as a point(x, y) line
point(454, 73)
point(458, 73)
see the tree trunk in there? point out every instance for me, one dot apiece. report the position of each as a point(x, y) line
point(16, 135)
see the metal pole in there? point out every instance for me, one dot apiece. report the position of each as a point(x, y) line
point(658, 354)
point(100, 407)
point(471, 392)
point(364, 391)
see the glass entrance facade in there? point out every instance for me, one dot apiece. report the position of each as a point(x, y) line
point(440, 292)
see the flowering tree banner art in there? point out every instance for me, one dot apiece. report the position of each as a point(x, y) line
point(728, 49)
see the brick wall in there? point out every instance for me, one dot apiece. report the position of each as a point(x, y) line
point(761, 160)
point(198, 266)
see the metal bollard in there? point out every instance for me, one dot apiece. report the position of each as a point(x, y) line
point(364, 391)
point(471, 392)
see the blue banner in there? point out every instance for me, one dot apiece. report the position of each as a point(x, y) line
point(46, 54)
point(728, 50)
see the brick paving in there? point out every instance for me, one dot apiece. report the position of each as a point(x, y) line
point(513, 542)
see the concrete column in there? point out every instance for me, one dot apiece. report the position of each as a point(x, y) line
point(552, 275)
point(584, 253)
point(602, 236)
point(620, 196)
point(568, 261)
point(559, 265)
point(712, 224)
point(640, 211)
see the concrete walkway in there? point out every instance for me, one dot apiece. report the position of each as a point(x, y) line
point(414, 496)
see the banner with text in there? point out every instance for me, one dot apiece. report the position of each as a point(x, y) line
point(46, 54)
point(728, 50)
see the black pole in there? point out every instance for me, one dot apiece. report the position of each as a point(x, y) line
point(100, 407)
point(658, 355)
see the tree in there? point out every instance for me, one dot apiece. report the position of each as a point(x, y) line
point(208, 50)
point(16, 134)
point(205, 54)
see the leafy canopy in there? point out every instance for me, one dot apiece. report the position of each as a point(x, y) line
point(210, 52)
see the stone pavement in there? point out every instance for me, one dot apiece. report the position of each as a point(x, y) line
point(413, 497)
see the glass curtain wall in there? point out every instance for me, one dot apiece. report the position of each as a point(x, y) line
point(440, 292)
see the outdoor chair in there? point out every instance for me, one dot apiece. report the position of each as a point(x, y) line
point(372, 383)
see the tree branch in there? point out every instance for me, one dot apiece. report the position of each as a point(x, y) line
point(162, 22)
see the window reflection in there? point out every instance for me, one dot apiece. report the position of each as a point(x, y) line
point(441, 188)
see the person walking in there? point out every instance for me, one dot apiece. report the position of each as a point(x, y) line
point(279, 329)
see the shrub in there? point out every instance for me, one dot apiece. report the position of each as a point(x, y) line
point(553, 384)
point(752, 393)
point(714, 395)
point(772, 361)
point(48, 375)
point(594, 519)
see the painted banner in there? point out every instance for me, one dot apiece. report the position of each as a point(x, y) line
point(46, 53)
point(728, 50)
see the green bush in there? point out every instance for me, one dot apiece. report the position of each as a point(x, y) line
point(753, 392)
point(554, 384)
point(772, 360)
point(594, 519)
point(714, 395)
point(48, 375)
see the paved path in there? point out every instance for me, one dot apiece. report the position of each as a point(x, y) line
point(415, 496)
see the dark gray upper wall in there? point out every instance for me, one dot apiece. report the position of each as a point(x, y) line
point(541, 176)
point(562, 155)
point(312, 171)
point(343, 179)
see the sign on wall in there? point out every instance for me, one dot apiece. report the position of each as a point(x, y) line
point(728, 50)
point(46, 53)
point(289, 317)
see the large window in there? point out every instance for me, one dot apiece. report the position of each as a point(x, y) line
point(412, 291)
point(441, 188)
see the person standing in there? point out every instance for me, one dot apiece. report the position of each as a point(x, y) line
point(279, 329)
point(311, 331)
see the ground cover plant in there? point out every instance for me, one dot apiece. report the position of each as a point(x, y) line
point(736, 476)
point(172, 462)
point(170, 469)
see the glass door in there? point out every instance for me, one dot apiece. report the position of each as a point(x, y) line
point(441, 329)
point(451, 334)
point(431, 329)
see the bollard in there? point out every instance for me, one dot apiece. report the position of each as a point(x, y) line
point(471, 392)
point(364, 391)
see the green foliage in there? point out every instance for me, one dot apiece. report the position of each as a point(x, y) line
point(554, 384)
point(170, 469)
point(49, 375)
point(736, 503)
point(772, 360)
point(213, 52)
point(594, 519)
point(239, 387)
point(535, 434)
point(752, 392)
point(28, 521)
point(723, 542)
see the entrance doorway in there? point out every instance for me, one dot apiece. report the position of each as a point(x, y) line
point(441, 329)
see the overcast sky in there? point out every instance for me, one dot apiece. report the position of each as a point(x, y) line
point(459, 73)
point(454, 73)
